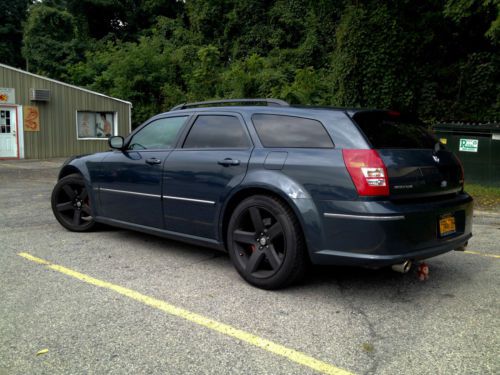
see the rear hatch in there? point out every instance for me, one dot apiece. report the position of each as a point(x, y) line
point(417, 164)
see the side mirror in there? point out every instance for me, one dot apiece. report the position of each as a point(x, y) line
point(116, 142)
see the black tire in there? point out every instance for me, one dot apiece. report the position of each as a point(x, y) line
point(71, 204)
point(265, 243)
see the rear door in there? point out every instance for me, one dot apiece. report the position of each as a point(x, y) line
point(417, 164)
point(212, 160)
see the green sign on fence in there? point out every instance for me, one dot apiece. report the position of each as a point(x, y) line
point(468, 145)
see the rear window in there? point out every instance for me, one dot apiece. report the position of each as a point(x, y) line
point(289, 131)
point(392, 130)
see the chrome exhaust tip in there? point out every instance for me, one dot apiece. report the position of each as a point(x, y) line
point(402, 267)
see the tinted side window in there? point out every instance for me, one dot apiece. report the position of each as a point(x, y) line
point(288, 131)
point(217, 132)
point(159, 134)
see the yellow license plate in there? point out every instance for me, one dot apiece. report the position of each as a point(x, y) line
point(447, 225)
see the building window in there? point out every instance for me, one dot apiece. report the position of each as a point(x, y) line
point(95, 125)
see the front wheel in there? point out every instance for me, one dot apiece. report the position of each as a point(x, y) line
point(265, 243)
point(71, 204)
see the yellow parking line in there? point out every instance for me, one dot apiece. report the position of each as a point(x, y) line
point(225, 329)
point(483, 254)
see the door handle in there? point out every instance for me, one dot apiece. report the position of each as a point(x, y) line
point(228, 162)
point(153, 161)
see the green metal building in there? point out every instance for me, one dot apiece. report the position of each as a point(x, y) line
point(44, 118)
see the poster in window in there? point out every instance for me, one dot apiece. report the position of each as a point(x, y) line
point(103, 124)
point(86, 125)
point(31, 118)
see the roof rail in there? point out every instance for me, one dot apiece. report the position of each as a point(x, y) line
point(269, 101)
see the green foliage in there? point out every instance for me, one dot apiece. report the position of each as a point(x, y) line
point(203, 80)
point(309, 86)
point(438, 59)
point(49, 39)
point(370, 67)
point(152, 72)
point(458, 10)
point(252, 77)
point(13, 14)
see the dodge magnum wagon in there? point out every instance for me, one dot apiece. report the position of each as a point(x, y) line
point(276, 186)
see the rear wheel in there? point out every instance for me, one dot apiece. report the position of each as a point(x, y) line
point(265, 242)
point(71, 204)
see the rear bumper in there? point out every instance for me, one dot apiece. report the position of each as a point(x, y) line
point(379, 260)
point(380, 233)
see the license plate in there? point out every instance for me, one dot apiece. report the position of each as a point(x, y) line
point(447, 225)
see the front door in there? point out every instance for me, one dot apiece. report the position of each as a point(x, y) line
point(8, 132)
point(198, 177)
point(130, 181)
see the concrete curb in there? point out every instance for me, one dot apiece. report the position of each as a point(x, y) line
point(486, 213)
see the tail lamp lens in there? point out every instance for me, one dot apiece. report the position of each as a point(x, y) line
point(367, 171)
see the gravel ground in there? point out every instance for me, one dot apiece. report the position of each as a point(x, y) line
point(363, 321)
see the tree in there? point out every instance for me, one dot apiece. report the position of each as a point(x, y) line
point(150, 72)
point(50, 41)
point(459, 10)
point(437, 59)
point(371, 66)
point(13, 15)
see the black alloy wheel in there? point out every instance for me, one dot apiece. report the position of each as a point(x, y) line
point(71, 204)
point(265, 242)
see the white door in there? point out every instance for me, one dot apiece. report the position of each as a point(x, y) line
point(8, 133)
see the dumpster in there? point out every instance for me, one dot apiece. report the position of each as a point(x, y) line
point(477, 145)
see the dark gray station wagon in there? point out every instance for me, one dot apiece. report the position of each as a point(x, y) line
point(277, 187)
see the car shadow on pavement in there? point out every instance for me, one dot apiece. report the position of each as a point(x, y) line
point(384, 283)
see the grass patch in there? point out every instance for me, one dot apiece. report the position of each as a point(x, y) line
point(485, 197)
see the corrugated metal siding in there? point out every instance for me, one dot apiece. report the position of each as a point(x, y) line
point(57, 136)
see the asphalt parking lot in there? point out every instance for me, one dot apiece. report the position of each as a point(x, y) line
point(116, 302)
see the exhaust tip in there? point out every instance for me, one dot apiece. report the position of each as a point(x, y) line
point(402, 267)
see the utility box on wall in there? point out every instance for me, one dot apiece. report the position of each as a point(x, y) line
point(478, 147)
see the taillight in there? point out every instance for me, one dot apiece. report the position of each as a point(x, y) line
point(368, 172)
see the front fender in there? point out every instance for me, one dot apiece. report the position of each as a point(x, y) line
point(88, 167)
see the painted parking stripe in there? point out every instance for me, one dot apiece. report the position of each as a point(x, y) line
point(225, 329)
point(483, 254)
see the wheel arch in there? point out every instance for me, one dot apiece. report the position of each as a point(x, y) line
point(245, 192)
point(81, 170)
point(67, 170)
